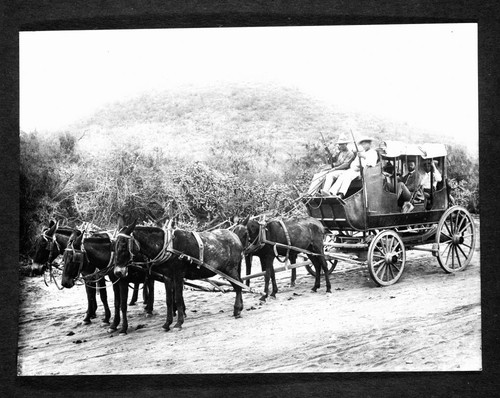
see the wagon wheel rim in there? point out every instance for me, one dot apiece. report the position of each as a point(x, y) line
point(455, 239)
point(386, 258)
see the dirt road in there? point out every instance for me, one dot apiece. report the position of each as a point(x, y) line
point(428, 321)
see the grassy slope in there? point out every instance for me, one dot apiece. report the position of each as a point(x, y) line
point(185, 123)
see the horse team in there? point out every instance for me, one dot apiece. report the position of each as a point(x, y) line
point(144, 254)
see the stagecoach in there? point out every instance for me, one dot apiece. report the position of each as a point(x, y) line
point(369, 226)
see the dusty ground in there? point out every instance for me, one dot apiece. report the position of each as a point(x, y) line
point(428, 321)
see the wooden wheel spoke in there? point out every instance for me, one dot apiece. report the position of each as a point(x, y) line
point(460, 248)
point(379, 262)
point(448, 249)
point(395, 266)
point(458, 256)
point(450, 231)
point(459, 225)
point(465, 228)
point(389, 273)
point(382, 268)
point(379, 249)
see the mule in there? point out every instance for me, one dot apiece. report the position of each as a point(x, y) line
point(78, 260)
point(301, 233)
point(96, 254)
point(176, 252)
point(48, 246)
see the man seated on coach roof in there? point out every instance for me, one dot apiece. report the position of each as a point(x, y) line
point(339, 161)
point(368, 158)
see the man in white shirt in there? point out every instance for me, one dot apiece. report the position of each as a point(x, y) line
point(368, 158)
point(426, 179)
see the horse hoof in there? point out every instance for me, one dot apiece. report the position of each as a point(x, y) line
point(237, 316)
point(122, 333)
point(131, 303)
point(177, 326)
point(86, 322)
point(106, 322)
point(166, 327)
point(313, 290)
point(111, 330)
point(149, 314)
point(263, 299)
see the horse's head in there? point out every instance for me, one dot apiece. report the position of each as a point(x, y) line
point(253, 227)
point(73, 259)
point(45, 248)
point(125, 245)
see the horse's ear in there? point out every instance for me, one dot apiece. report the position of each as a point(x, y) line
point(131, 227)
point(121, 221)
point(78, 240)
point(52, 229)
point(245, 221)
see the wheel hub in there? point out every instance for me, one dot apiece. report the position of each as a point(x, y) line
point(457, 239)
point(391, 258)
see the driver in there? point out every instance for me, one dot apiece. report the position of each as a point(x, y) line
point(367, 158)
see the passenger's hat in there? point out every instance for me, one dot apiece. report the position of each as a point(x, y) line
point(365, 139)
point(343, 140)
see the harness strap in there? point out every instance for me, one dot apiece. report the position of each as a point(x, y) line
point(183, 256)
point(286, 261)
point(201, 247)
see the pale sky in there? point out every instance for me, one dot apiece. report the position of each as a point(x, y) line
point(423, 74)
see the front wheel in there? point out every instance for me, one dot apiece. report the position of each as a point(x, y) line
point(386, 258)
point(455, 239)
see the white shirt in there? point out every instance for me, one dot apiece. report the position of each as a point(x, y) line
point(370, 160)
point(426, 179)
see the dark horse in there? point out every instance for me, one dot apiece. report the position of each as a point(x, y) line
point(176, 255)
point(49, 245)
point(78, 260)
point(273, 238)
point(96, 254)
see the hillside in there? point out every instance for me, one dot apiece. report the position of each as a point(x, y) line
point(188, 122)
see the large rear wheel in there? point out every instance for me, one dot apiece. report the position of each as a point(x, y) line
point(456, 239)
point(386, 258)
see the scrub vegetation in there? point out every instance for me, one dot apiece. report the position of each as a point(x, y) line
point(203, 155)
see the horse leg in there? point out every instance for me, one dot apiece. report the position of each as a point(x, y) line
point(103, 294)
point(293, 260)
point(116, 318)
point(179, 300)
point(317, 268)
point(324, 266)
point(149, 287)
point(123, 304)
point(91, 302)
point(135, 294)
point(170, 307)
point(265, 267)
point(145, 291)
point(248, 263)
point(270, 267)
